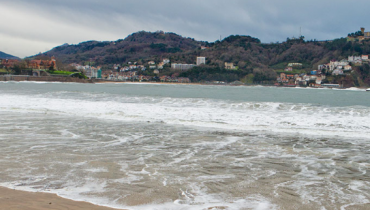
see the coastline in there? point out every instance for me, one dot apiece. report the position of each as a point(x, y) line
point(24, 78)
point(19, 200)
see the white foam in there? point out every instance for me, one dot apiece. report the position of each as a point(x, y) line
point(96, 170)
point(199, 200)
point(277, 117)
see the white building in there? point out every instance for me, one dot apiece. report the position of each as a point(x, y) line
point(165, 61)
point(337, 65)
point(201, 60)
point(295, 65)
point(92, 72)
point(182, 67)
point(354, 58)
point(337, 72)
point(347, 68)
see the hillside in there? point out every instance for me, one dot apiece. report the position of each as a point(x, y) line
point(141, 46)
point(251, 56)
point(7, 56)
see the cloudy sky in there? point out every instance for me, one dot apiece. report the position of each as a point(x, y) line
point(28, 27)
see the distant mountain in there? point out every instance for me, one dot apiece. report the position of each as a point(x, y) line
point(7, 56)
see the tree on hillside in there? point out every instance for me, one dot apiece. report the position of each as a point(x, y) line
point(263, 74)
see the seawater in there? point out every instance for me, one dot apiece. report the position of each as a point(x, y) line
point(148, 146)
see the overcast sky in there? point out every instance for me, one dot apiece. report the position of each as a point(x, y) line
point(28, 27)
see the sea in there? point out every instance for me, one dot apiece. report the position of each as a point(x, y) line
point(143, 146)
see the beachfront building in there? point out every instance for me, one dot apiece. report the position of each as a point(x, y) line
point(93, 72)
point(201, 60)
point(43, 64)
point(183, 80)
point(8, 63)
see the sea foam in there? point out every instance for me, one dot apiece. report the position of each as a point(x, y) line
point(248, 116)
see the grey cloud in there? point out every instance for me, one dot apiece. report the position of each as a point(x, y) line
point(73, 21)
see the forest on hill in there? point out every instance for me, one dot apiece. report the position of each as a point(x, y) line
point(261, 60)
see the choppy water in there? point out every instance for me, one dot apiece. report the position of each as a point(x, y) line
point(139, 146)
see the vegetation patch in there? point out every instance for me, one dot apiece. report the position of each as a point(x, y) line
point(295, 71)
point(79, 75)
point(60, 72)
point(209, 73)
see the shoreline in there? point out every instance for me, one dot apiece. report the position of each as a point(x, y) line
point(19, 200)
point(25, 78)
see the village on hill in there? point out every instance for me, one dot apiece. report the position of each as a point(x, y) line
point(175, 67)
point(318, 78)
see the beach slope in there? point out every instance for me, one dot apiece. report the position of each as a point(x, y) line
point(20, 200)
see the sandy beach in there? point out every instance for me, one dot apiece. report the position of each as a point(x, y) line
point(20, 200)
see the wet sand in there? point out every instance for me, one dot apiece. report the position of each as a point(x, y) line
point(20, 200)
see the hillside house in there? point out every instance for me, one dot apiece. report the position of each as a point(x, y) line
point(337, 72)
point(348, 68)
point(166, 61)
point(125, 68)
point(289, 68)
point(290, 76)
point(354, 58)
point(333, 65)
point(358, 62)
point(229, 66)
point(322, 67)
point(160, 65)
